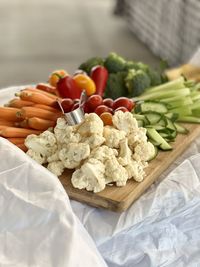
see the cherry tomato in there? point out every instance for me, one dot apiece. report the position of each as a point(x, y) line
point(102, 108)
point(75, 106)
point(106, 118)
point(67, 104)
point(86, 108)
point(123, 109)
point(76, 100)
point(123, 102)
point(94, 101)
point(108, 102)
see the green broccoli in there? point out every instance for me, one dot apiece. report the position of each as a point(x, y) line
point(136, 82)
point(155, 77)
point(115, 86)
point(90, 63)
point(114, 63)
point(130, 65)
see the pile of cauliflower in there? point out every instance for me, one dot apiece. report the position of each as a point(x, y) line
point(99, 154)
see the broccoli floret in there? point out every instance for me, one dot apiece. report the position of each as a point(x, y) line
point(114, 63)
point(115, 86)
point(136, 82)
point(90, 63)
point(155, 77)
point(131, 65)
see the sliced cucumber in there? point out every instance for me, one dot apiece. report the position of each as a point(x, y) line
point(154, 135)
point(180, 129)
point(154, 153)
point(141, 118)
point(153, 117)
point(140, 123)
point(151, 106)
point(172, 116)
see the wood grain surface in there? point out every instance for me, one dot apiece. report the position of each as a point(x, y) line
point(120, 198)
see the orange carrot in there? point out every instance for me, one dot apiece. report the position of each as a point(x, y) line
point(22, 147)
point(3, 127)
point(19, 103)
point(17, 132)
point(7, 113)
point(30, 112)
point(35, 90)
point(47, 88)
point(36, 98)
point(22, 124)
point(7, 123)
point(16, 140)
point(40, 124)
point(46, 107)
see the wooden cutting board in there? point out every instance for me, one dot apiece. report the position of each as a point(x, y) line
point(120, 198)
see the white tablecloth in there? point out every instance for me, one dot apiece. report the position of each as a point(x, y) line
point(39, 228)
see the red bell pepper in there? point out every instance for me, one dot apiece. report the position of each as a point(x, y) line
point(99, 75)
point(67, 88)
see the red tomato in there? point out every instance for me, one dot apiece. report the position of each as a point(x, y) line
point(123, 102)
point(67, 104)
point(94, 101)
point(108, 102)
point(75, 106)
point(102, 108)
point(106, 118)
point(76, 100)
point(86, 108)
point(123, 109)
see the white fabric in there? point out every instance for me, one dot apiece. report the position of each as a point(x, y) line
point(161, 229)
point(37, 225)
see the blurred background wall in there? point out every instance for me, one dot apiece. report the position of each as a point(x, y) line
point(39, 36)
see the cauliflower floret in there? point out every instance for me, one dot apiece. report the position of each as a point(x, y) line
point(54, 157)
point(124, 121)
point(66, 134)
point(56, 167)
point(113, 136)
point(73, 154)
point(124, 153)
point(139, 135)
point(36, 156)
point(90, 176)
point(143, 151)
point(91, 125)
point(94, 140)
point(44, 144)
point(135, 170)
point(103, 153)
point(115, 172)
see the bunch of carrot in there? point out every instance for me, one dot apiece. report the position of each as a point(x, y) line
point(31, 112)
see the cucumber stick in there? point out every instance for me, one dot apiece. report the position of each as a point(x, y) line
point(155, 136)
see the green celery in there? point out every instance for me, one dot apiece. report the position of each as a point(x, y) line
point(189, 119)
point(182, 111)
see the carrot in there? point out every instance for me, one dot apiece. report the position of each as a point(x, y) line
point(17, 132)
point(47, 88)
point(7, 123)
point(46, 107)
point(22, 124)
point(35, 90)
point(22, 147)
point(19, 103)
point(16, 140)
point(40, 124)
point(30, 112)
point(8, 113)
point(36, 98)
point(3, 127)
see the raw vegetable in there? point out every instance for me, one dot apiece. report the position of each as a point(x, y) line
point(56, 76)
point(40, 124)
point(90, 63)
point(114, 63)
point(36, 97)
point(47, 88)
point(9, 114)
point(84, 82)
point(30, 112)
point(17, 132)
point(136, 82)
point(115, 86)
point(99, 75)
point(19, 103)
point(68, 88)
point(106, 118)
point(16, 140)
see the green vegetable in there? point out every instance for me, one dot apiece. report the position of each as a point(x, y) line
point(136, 82)
point(115, 86)
point(114, 63)
point(156, 137)
point(90, 63)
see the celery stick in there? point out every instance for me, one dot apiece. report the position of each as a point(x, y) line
point(163, 94)
point(189, 119)
point(196, 112)
point(195, 105)
point(195, 96)
point(182, 111)
point(175, 84)
point(171, 99)
point(181, 102)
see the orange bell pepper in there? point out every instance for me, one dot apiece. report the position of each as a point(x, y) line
point(84, 82)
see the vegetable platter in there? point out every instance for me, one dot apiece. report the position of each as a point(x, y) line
point(136, 123)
